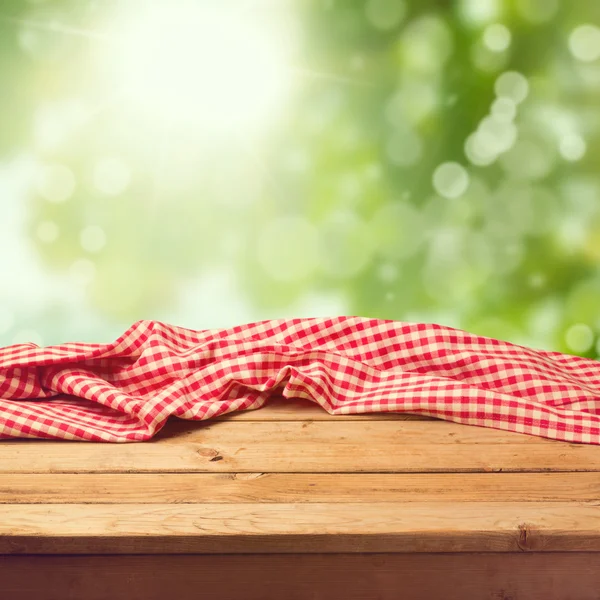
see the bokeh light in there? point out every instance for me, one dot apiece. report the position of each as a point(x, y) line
point(572, 147)
point(512, 85)
point(480, 12)
point(584, 42)
point(55, 183)
point(504, 109)
point(579, 338)
point(213, 65)
point(93, 239)
point(208, 163)
point(450, 180)
point(497, 37)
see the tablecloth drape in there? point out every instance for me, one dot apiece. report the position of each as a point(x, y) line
point(126, 390)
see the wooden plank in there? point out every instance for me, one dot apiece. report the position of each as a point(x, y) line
point(298, 409)
point(321, 447)
point(161, 488)
point(393, 433)
point(295, 527)
point(534, 576)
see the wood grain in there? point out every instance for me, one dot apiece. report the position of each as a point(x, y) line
point(186, 488)
point(392, 432)
point(531, 576)
point(294, 527)
point(307, 447)
point(259, 505)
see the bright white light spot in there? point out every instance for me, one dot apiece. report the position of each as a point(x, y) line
point(556, 119)
point(426, 44)
point(572, 147)
point(404, 148)
point(537, 11)
point(207, 64)
point(478, 152)
point(504, 109)
point(47, 232)
point(495, 136)
point(584, 42)
point(93, 239)
point(512, 85)
point(288, 248)
point(497, 37)
point(450, 180)
point(385, 14)
point(111, 176)
point(55, 183)
point(479, 12)
point(579, 338)
point(7, 319)
point(28, 336)
point(82, 271)
point(571, 233)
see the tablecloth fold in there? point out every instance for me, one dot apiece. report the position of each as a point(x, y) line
point(126, 390)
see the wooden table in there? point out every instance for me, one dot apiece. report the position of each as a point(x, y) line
point(288, 502)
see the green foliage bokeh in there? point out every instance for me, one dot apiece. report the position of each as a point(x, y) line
point(339, 197)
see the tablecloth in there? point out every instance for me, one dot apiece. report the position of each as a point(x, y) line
point(126, 390)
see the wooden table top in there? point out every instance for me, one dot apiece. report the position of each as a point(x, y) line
point(290, 478)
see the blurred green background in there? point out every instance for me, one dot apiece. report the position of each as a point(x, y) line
point(209, 163)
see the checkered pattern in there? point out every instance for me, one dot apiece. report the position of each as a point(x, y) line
point(125, 391)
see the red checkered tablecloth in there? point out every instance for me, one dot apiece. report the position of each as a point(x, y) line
point(125, 391)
